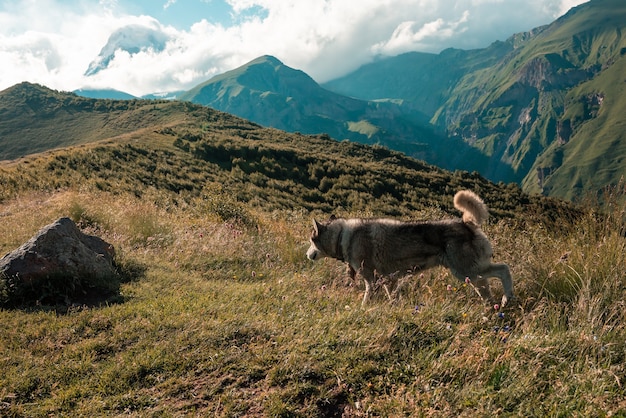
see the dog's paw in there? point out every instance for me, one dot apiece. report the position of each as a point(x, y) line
point(506, 300)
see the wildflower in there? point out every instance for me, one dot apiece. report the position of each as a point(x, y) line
point(323, 287)
point(496, 307)
point(467, 280)
point(253, 273)
point(501, 315)
point(449, 287)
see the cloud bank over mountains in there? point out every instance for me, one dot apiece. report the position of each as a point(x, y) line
point(131, 39)
point(107, 44)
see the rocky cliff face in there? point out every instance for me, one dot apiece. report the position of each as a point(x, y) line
point(524, 117)
point(538, 107)
point(525, 110)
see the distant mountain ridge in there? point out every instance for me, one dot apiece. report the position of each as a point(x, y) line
point(272, 94)
point(104, 94)
point(34, 119)
point(424, 79)
point(269, 93)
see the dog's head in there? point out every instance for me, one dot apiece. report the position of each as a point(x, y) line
point(321, 240)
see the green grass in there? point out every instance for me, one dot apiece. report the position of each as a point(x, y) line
point(230, 319)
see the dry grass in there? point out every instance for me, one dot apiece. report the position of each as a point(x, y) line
point(230, 319)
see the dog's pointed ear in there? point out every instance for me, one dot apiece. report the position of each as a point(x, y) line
point(316, 226)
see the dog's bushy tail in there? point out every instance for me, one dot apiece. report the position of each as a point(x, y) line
point(474, 209)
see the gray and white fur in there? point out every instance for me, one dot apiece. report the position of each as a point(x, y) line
point(386, 247)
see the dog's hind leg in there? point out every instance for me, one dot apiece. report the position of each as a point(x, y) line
point(502, 272)
point(478, 281)
point(351, 272)
point(481, 284)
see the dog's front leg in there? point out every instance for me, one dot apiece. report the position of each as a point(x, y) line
point(395, 294)
point(369, 279)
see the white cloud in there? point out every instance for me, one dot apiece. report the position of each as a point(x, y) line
point(565, 5)
point(52, 42)
point(168, 4)
point(405, 38)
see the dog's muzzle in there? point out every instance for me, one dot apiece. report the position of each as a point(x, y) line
point(312, 253)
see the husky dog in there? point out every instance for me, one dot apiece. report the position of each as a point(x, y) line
point(385, 247)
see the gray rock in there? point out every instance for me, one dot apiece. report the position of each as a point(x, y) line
point(60, 250)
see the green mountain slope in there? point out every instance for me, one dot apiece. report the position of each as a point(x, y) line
point(524, 108)
point(267, 92)
point(184, 148)
point(545, 107)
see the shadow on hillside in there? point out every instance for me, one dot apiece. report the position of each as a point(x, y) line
point(62, 295)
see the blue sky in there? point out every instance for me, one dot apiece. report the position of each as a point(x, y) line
point(181, 13)
point(55, 42)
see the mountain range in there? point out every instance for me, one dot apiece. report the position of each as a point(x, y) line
point(543, 109)
point(269, 93)
point(53, 140)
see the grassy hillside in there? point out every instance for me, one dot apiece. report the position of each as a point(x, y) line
point(222, 315)
point(34, 118)
point(184, 148)
point(231, 320)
